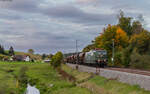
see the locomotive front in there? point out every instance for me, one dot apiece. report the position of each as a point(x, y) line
point(96, 57)
point(101, 58)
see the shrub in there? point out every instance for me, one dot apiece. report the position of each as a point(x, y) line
point(117, 59)
point(57, 59)
point(126, 54)
point(33, 81)
point(140, 61)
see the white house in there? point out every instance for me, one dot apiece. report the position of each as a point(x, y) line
point(27, 59)
point(21, 58)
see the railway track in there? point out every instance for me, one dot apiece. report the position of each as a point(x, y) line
point(134, 71)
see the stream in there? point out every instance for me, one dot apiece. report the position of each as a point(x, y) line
point(32, 90)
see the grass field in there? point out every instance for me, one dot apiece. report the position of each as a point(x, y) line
point(48, 81)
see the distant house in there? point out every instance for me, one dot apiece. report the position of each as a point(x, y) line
point(27, 59)
point(47, 61)
point(21, 58)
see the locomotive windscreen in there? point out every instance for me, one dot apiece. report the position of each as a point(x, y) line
point(102, 52)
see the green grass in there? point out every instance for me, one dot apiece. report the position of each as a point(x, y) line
point(115, 87)
point(48, 81)
point(41, 74)
point(74, 90)
point(78, 75)
point(101, 85)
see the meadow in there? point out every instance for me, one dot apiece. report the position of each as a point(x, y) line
point(46, 79)
point(49, 81)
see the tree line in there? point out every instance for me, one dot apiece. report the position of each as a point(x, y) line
point(10, 52)
point(131, 43)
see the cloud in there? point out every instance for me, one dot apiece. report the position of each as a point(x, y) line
point(66, 12)
point(86, 1)
point(21, 5)
point(48, 27)
point(76, 15)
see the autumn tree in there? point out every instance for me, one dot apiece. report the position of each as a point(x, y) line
point(137, 27)
point(141, 42)
point(121, 38)
point(112, 33)
point(125, 23)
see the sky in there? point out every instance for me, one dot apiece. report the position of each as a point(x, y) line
point(48, 26)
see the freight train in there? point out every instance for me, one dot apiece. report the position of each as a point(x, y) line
point(93, 58)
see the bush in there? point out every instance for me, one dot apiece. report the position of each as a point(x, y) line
point(117, 59)
point(122, 58)
point(126, 54)
point(140, 61)
point(33, 81)
point(57, 59)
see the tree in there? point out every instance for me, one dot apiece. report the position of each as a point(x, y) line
point(125, 23)
point(44, 56)
point(2, 51)
point(141, 42)
point(139, 61)
point(88, 48)
point(31, 51)
point(57, 59)
point(126, 56)
point(112, 33)
point(11, 51)
point(50, 55)
point(136, 27)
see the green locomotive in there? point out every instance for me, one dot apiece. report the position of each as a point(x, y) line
point(96, 57)
point(93, 57)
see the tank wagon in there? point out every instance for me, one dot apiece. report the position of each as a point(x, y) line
point(93, 57)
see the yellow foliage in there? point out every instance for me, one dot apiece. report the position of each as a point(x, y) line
point(120, 37)
point(112, 33)
point(140, 39)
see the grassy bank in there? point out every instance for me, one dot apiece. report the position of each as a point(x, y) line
point(101, 85)
point(46, 79)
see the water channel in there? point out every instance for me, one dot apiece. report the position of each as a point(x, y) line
point(32, 90)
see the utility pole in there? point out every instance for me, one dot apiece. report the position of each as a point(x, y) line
point(113, 51)
point(77, 54)
point(76, 46)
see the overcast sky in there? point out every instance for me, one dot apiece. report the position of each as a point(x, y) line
point(48, 26)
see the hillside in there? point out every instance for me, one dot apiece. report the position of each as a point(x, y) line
point(33, 56)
